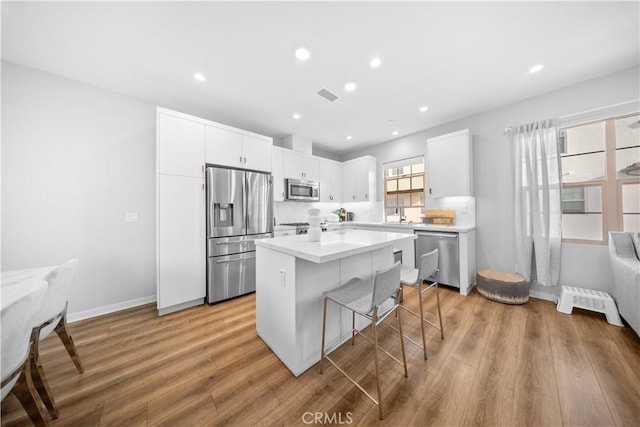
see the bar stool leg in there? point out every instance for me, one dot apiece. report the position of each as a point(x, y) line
point(353, 328)
point(404, 357)
point(324, 322)
point(439, 314)
point(375, 354)
point(424, 341)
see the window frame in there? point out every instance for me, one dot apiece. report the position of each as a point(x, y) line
point(385, 179)
point(611, 186)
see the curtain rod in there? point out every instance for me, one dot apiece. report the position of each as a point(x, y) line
point(592, 114)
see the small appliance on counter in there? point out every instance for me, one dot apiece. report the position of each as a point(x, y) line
point(350, 216)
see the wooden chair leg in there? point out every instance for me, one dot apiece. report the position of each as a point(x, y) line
point(26, 393)
point(65, 337)
point(42, 386)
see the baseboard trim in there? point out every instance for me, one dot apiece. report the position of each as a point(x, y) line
point(544, 296)
point(107, 309)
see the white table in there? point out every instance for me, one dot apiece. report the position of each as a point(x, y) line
point(292, 273)
point(16, 284)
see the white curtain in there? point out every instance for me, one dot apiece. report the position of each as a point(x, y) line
point(538, 201)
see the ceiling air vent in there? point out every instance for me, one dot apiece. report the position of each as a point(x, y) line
point(327, 95)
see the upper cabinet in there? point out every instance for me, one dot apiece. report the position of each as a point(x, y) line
point(180, 145)
point(301, 166)
point(277, 167)
point(330, 181)
point(359, 179)
point(450, 165)
point(239, 149)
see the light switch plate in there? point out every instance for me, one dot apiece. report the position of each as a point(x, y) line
point(131, 217)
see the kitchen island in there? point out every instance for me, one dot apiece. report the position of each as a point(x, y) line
point(292, 273)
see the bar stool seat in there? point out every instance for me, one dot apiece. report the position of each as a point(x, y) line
point(370, 301)
point(415, 278)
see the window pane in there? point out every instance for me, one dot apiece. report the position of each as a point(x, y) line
point(631, 199)
point(404, 184)
point(631, 222)
point(417, 199)
point(406, 170)
point(390, 201)
point(417, 168)
point(582, 213)
point(585, 167)
point(583, 227)
point(584, 139)
point(392, 185)
point(392, 172)
point(417, 182)
point(413, 214)
point(628, 131)
point(404, 199)
point(628, 162)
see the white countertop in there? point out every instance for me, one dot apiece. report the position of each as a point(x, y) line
point(411, 226)
point(333, 244)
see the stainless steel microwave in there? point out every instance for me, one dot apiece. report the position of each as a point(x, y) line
point(302, 191)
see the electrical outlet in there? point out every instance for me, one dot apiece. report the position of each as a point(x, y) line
point(131, 217)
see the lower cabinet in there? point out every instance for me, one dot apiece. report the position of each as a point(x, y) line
point(181, 279)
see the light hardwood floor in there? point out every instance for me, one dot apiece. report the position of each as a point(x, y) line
point(498, 365)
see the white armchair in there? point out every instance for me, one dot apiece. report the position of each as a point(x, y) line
point(623, 255)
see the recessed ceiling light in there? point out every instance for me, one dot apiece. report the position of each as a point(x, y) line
point(348, 136)
point(199, 77)
point(394, 133)
point(303, 53)
point(536, 68)
point(350, 87)
point(375, 62)
point(423, 108)
point(296, 116)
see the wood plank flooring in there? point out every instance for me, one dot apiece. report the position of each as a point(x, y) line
point(498, 365)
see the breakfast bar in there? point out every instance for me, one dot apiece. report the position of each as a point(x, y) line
point(292, 273)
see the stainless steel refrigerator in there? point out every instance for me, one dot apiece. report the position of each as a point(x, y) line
point(239, 211)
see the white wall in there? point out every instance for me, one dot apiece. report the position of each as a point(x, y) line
point(582, 265)
point(75, 159)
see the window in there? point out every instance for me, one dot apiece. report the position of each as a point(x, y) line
point(600, 178)
point(404, 190)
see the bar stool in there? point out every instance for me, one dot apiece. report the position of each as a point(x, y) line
point(415, 278)
point(366, 299)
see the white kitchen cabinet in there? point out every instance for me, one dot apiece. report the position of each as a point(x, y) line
point(330, 181)
point(277, 170)
point(301, 166)
point(180, 145)
point(450, 165)
point(181, 242)
point(239, 149)
point(359, 179)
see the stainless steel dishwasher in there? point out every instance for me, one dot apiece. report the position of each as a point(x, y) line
point(448, 259)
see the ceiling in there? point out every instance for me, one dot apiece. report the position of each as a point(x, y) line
point(456, 58)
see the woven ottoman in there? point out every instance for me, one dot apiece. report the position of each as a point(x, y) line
point(502, 286)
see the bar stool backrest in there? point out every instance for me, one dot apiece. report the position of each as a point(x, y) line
point(385, 284)
point(428, 265)
point(17, 320)
point(57, 295)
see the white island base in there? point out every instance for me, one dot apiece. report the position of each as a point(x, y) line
point(292, 273)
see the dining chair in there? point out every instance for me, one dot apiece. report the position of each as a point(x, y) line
point(427, 271)
point(51, 317)
point(17, 318)
point(367, 299)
